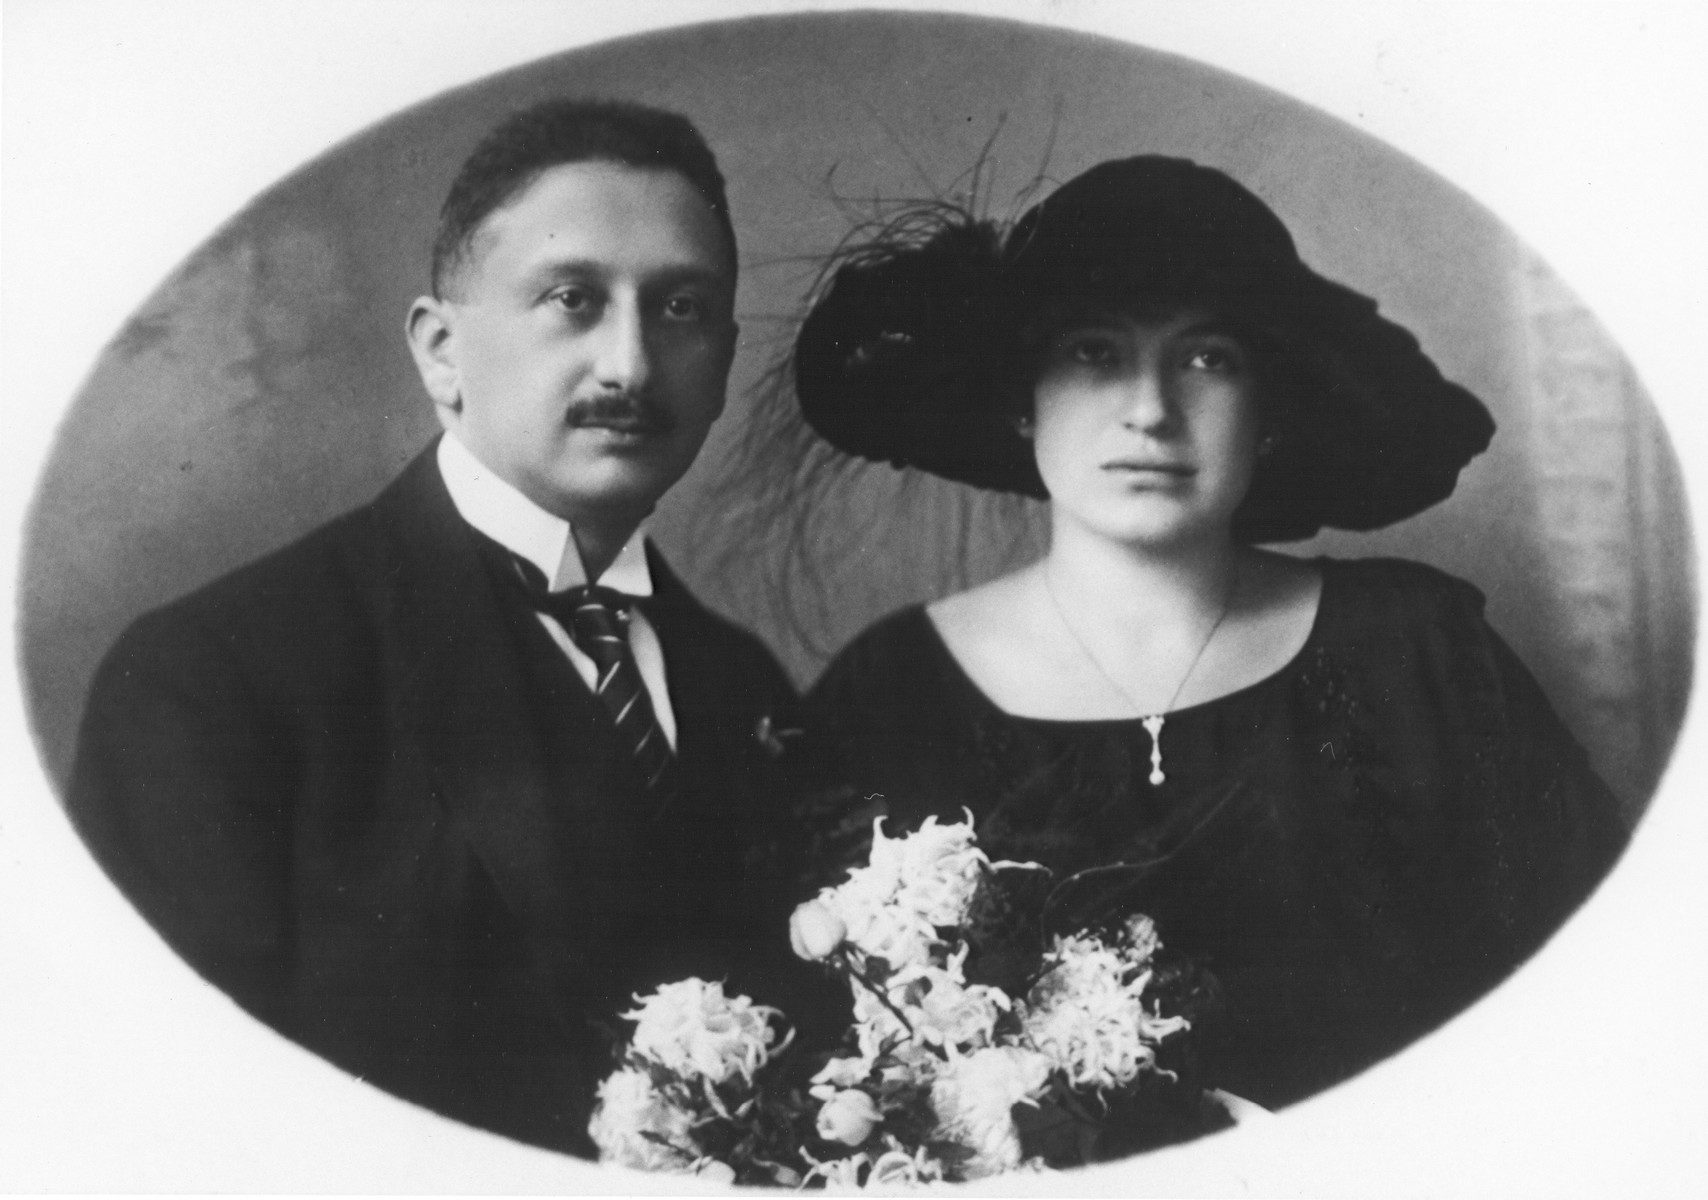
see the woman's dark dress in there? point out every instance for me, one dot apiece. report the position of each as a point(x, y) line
point(1356, 847)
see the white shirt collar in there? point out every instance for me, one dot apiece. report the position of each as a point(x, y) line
point(519, 525)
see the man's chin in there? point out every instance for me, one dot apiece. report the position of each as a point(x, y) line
point(608, 484)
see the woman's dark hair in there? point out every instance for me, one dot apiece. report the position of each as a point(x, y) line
point(559, 132)
point(913, 352)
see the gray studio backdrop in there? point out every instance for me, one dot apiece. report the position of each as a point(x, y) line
point(265, 386)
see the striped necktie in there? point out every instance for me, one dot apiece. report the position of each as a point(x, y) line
point(597, 621)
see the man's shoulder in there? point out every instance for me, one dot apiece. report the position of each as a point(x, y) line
point(309, 587)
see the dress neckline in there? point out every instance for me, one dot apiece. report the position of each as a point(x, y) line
point(965, 683)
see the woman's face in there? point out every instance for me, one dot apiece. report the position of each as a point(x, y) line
point(1145, 427)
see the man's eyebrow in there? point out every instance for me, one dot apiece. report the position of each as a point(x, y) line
point(550, 271)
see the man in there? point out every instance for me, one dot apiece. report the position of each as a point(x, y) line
point(408, 790)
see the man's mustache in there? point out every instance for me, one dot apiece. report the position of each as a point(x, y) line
point(623, 411)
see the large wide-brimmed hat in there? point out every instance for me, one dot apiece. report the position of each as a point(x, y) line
point(916, 350)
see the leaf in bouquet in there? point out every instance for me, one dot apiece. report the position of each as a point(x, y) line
point(908, 1114)
point(663, 1078)
point(1002, 930)
point(952, 1156)
point(768, 1129)
point(660, 1140)
point(1180, 986)
point(1058, 1129)
point(1156, 1111)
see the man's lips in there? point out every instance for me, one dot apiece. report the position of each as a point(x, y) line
point(636, 426)
point(621, 416)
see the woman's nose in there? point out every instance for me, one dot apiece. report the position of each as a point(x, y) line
point(1148, 405)
point(622, 360)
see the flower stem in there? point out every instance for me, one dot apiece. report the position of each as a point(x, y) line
point(848, 964)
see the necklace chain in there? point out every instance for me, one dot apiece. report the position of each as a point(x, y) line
point(1152, 722)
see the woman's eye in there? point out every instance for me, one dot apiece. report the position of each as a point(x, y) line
point(1091, 352)
point(1214, 358)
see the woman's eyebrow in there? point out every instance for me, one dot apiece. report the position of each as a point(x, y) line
point(1211, 327)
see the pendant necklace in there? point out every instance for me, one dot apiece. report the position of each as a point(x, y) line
point(1152, 722)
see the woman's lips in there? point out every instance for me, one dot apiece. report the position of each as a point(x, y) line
point(1145, 466)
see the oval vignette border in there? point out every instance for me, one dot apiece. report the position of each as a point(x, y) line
point(388, 118)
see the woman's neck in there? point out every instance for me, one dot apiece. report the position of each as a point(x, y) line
point(1124, 592)
point(1099, 631)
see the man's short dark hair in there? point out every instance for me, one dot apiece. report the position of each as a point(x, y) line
point(559, 132)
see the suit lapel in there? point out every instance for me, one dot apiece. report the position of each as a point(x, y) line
point(513, 742)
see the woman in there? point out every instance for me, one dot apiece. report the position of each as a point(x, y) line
point(1331, 783)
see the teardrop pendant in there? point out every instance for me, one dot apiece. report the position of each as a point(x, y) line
point(1153, 726)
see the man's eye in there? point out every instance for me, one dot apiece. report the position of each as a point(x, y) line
point(574, 300)
point(684, 308)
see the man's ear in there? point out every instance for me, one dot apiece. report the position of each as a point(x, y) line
point(731, 340)
point(432, 344)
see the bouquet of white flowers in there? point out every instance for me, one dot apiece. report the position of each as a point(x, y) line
point(941, 1077)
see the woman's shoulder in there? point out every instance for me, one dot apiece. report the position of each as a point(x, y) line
point(896, 653)
point(1398, 593)
point(1393, 620)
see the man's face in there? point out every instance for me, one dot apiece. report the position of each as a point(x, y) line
point(587, 343)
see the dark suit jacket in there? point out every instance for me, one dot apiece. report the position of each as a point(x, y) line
point(358, 788)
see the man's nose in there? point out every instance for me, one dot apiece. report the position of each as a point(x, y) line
point(623, 360)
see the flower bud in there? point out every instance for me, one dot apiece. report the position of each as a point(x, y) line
point(815, 932)
point(712, 1169)
point(848, 1117)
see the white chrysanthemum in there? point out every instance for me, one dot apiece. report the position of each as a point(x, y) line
point(630, 1109)
point(1088, 1012)
point(947, 1011)
point(887, 928)
point(910, 886)
point(962, 1018)
point(973, 1095)
point(940, 870)
point(692, 1028)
